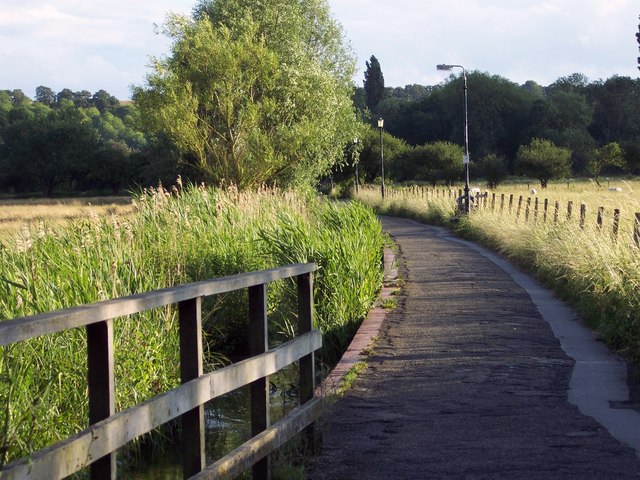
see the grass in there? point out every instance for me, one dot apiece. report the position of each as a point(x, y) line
point(597, 272)
point(170, 237)
point(16, 215)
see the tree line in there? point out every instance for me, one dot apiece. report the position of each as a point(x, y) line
point(255, 93)
point(596, 122)
point(72, 142)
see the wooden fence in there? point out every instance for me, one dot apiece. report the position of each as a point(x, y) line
point(109, 430)
point(531, 208)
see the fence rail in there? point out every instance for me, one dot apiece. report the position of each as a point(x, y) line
point(109, 430)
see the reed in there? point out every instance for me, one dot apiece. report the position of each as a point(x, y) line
point(171, 237)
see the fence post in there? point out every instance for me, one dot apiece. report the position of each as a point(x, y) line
point(258, 344)
point(535, 211)
point(546, 209)
point(306, 363)
point(636, 230)
point(502, 202)
point(101, 384)
point(616, 223)
point(599, 219)
point(493, 201)
point(583, 214)
point(510, 202)
point(556, 212)
point(190, 329)
point(519, 207)
point(569, 210)
point(526, 211)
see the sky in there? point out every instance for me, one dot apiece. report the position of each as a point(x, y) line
point(107, 45)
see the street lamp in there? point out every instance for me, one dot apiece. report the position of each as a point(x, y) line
point(465, 159)
point(381, 127)
point(355, 161)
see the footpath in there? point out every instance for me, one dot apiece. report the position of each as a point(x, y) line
point(479, 374)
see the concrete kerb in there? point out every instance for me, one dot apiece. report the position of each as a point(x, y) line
point(368, 331)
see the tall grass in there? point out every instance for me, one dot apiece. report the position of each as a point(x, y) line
point(172, 237)
point(599, 274)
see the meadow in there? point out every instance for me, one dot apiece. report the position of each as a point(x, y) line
point(18, 214)
point(166, 238)
point(595, 270)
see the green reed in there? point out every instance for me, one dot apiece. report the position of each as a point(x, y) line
point(172, 237)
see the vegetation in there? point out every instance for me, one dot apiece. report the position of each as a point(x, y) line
point(572, 112)
point(598, 272)
point(373, 83)
point(254, 92)
point(73, 142)
point(638, 38)
point(16, 215)
point(541, 159)
point(609, 155)
point(172, 237)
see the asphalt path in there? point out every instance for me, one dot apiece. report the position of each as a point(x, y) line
point(479, 374)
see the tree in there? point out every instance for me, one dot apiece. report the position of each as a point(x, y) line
point(494, 169)
point(373, 83)
point(64, 94)
point(370, 159)
point(609, 155)
point(543, 160)
point(638, 39)
point(254, 92)
point(46, 96)
point(103, 101)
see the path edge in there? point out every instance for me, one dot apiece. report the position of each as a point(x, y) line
point(369, 329)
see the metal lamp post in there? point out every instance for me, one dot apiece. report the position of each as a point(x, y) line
point(381, 127)
point(466, 134)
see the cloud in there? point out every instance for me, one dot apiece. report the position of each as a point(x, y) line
point(528, 39)
point(92, 45)
point(81, 45)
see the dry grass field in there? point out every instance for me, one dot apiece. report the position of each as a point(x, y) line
point(18, 214)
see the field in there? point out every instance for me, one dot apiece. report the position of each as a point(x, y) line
point(591, 267)
point(16, 215)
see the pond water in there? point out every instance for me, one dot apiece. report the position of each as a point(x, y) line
point(227, 422)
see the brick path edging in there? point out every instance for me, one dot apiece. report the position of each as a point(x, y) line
point(368, 331)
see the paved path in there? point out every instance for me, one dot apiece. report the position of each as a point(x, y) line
point(467, 381)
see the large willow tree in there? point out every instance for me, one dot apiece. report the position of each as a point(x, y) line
point(254, 91)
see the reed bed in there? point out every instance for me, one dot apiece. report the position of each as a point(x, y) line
point(171, 237)
point(587, 264)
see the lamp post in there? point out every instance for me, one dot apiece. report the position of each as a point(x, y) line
point(465, 159)
point(381, 127)
point(355, 161)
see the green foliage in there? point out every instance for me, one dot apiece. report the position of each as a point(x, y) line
point(370, 159)
point(543, 160)
point(254, 92)
point(609, 155)
point(173, 238)
point(71, 142)
point(373, 83)
point(638, 39)
point(433, 163)
point(493, 169)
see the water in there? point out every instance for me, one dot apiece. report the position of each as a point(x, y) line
point(227, 423)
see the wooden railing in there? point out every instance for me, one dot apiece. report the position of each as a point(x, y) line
point(109, 430)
